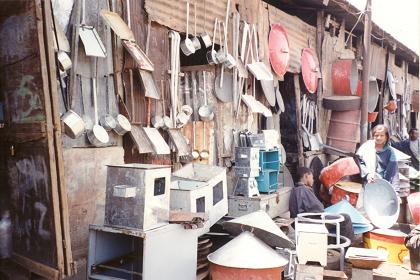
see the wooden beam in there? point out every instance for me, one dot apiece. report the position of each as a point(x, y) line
point(298, 120)
point(55, 107)
point(35, 267)
point(366, 71)
point(50, 139)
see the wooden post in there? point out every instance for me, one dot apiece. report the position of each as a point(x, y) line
point(55, 109)
point(298, 119)
point(50, 137)
point(366, 72)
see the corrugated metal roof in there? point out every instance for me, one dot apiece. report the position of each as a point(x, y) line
point(300, 34)
point(172, 13)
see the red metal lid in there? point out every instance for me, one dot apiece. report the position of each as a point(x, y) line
point(310, 69)
point(278, 45)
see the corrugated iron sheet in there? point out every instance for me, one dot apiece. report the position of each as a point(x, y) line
point(377, 62)
point(398, 73)
point(172, 13)
point(300, 34)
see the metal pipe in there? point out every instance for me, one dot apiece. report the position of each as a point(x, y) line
point(366, 72)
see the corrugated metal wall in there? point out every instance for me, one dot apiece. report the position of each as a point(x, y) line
point(172, 13)
point(301, 35)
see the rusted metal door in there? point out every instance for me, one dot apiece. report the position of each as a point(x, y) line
point(33, 141)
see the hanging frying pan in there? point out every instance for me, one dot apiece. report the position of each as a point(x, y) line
point(310, 69)
point(279, 51)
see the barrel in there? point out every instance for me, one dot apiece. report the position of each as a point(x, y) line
point(344, 130)
point(345, 78)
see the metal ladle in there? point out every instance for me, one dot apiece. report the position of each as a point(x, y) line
point(195, 153)
point(212, 54)
point(187, 46)
point(195, 40)
point(205, 36)
point(205, 111)
point(204, 154)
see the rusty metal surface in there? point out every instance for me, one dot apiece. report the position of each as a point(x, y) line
point(172, 13)
point(344, 77)
point(219, 272)
point(86, 190)
point(344, 130)
point(299, 34)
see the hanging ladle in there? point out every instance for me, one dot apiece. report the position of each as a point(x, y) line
point(205, 111)
point(204, 153)
point(212, 54)
point(187, 46)
point(205, 36)
point(195, 153)
point(195, 40)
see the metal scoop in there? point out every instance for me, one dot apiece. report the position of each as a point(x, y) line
point(187, 46)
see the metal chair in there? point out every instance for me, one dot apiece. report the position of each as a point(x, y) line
point(341, 242)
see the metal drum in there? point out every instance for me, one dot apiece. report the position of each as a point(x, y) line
point(345, 77)
point(344, 130)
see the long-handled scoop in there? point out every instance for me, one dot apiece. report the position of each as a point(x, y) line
point(195, 40)
point(204, 35)
point(211, 55)
point(187, 46)
point(205, 111)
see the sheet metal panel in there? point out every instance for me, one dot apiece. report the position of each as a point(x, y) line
point(398, 73)
point(377, 62)
point(172, 13)
point(300, 34)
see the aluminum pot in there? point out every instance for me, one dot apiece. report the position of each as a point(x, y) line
point(157, 122)
point(74, 126)
point(122, 125)
point(98, 136)
point(108, 122)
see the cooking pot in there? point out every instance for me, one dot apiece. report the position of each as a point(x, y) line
point(74, 125)
point(122, 125)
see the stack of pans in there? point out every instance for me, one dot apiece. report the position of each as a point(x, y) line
point(203, 249)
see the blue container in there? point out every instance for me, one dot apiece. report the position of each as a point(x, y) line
point(270, 160)
point(268, 181)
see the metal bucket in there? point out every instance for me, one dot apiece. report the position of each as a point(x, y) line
point(344, 77)
point(344, 130)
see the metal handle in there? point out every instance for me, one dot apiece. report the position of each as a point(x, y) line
point(214, 34)
point(188, 18)
point(95, 101)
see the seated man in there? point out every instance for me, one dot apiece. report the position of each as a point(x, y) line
point(303, 200)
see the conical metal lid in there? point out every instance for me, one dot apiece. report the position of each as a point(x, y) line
point(247, 251)
point(344, 207)
point(262, 226)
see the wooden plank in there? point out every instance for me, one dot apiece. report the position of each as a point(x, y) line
point(35, 267)
point(298, 119)
point(23, 132)
point(55, 106)
point(50, 140)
